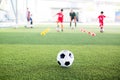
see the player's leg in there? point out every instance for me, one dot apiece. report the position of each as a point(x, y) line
point(57, 28)
point(75, 22)
point(71, 22)
point(57, 23)
point(28, 22)
point(31, 23)
point(62, 27)
point(102, 27)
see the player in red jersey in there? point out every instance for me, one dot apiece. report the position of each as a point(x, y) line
point(101, 21)
point(60, 20)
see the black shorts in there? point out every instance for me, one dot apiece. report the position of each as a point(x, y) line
point(72, 19)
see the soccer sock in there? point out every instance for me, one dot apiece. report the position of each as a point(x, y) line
point(61, 27)
point(70, 24)
point(75, 24)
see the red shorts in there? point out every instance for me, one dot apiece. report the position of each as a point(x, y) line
point(60, 20)
point(101, 23)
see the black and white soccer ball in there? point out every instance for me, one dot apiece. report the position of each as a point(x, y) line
point(65, 58)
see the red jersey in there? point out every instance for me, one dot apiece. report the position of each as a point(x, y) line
point(101, 18)
point(60, 17)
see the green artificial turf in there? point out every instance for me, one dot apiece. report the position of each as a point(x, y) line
point(26, 55)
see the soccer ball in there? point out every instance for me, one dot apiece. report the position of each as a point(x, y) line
point(65, 58)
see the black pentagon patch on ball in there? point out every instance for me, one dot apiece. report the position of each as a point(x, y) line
point(59, 63)
point(62, 55)
point(70, 54)
point(67, 63)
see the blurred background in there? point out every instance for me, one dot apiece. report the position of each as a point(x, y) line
point(14, 11)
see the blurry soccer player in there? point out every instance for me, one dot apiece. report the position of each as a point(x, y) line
point(28, 18)
point(28, 15)
point(60, 20)
point(72, 17)
point(101, 21)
